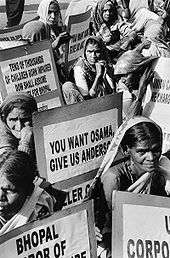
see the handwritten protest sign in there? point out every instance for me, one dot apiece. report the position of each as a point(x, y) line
point(72, 140)
point(54, 237)
point(140, 226)
point(31, 69)
point(157, 106)
point(78, 27)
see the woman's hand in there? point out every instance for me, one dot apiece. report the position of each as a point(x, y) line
point(92, 92)
point(63, 37)
point(99, 236)
point(26, 135)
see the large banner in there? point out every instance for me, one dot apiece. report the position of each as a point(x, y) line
point(157, 104)
point(78, 27)
point(31, 69)
point(140, 226)
point(67, 234)
point(72, 140)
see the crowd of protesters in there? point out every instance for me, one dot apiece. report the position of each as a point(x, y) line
point(125, 39)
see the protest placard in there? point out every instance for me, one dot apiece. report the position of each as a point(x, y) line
point(157, 104)
point(30, 68)
point(72, 140)
point(12, 33)
point(54, 237)
point(78, 27)
point(140, 226)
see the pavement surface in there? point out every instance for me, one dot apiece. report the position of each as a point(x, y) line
point(30, 10)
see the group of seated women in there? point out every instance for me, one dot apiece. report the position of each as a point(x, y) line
point(24, 196)
point(109, 64)
point(112, 34)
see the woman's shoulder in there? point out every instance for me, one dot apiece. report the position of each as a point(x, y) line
point(79, 62)
point(115, 172)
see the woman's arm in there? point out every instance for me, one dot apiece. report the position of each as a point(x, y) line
point(100, 69)
point(80, 81)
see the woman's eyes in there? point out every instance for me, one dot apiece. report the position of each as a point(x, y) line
point(141, 153)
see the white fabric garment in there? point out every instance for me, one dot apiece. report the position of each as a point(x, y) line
point(22, 217)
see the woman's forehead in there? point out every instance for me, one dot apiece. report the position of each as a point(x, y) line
point(148, 143)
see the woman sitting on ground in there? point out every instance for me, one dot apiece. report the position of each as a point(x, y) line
point(109, 25)
point(92, 74)
point(21, 200)
point(131, 65)
point(16, 123)
point(139, 141)
point(49, 26)
point(16, 133)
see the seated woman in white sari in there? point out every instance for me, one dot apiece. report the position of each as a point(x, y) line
point(21, 200)
point(143, 169)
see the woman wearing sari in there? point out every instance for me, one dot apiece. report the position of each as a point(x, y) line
point(21, 200)
point(92, 74)
point(16, 123)
point(110, 26)
point(143, 169)
point(49, 26)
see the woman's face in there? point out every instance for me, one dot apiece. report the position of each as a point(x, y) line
point(16, 120)
point(145, 156)
point(108, 12)
point(92, 53)
point(53, 14)
point(127, 81)
point(11, 198)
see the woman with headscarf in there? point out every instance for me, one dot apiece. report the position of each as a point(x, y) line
point(130, 66)
point(110, 26)
point(144, 20)
point(16, 133)
point(49, 26)
point(16, 122)
point(141, 169)
point(91, 73)
point(21, 200)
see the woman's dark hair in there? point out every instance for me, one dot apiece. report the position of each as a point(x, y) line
point(18, 169)
point(143, 131)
